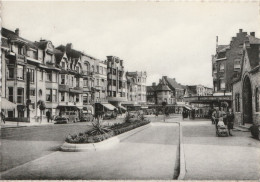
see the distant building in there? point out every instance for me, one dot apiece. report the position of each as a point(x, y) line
point(116, 81)
point(164, 93)
point(151, 97)
point(197, 90)
point(246, 86)
point(101, 81)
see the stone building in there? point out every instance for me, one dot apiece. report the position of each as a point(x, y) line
point(177, 89)
point(151, 94)
point(245, 88)
point(164, 94)
point(116, 81)
point(226, 63)
point(101, 81)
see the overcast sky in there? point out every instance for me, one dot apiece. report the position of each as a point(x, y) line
point(163, 38)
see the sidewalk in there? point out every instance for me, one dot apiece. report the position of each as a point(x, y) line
point(13, 124)
point(209, 157)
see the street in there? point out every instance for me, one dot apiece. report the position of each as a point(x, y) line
point(151, 154)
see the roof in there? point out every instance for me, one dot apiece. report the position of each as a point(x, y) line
point(58, 55)
point(222, 48)
point(42, 44)
point(150, 88)
point(253, 40)
point(71, 53)
point(13, 36)
point(172, 83)
point(4, 42)
point(162, 86)
point(191, 89)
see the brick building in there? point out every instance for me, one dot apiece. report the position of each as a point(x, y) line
point(245, 88)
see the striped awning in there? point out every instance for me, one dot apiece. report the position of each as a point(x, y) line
point(6, 104)
point(109, 106)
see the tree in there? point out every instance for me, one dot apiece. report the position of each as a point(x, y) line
point(42, 107)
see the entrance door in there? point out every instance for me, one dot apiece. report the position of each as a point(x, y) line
point(247, 101)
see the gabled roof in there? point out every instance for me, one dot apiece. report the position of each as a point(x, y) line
point(13, 36)
point(72, 53)
point(42, 44)
point(162, 86)
point(150, 88)
point(172, 83)
point(58, 55)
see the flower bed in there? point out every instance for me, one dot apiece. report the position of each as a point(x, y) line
point(115, 129)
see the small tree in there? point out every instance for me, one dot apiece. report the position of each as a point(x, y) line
point(42, 107)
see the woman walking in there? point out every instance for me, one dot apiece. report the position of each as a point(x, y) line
point(230, 120)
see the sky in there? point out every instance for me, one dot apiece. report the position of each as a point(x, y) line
point(174, 39)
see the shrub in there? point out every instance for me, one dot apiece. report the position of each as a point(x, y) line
point(116, 129)
point(255, 131)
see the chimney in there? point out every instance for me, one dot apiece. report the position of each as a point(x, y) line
point(240, 30)
point(69, 46)
point(153, 84)
point(252, 34)
point(17, 31)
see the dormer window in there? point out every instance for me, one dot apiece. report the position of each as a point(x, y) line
point(63, 65)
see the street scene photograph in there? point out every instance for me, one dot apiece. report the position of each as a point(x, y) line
point(130, 90)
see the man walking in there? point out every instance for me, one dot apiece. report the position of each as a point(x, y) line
point(48, 115)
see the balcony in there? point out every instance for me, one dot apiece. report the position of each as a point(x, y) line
point(64, 88)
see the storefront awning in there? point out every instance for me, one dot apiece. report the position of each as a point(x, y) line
point(186, 107)
point(6, 104)
point(122, 107)
point(109, 106)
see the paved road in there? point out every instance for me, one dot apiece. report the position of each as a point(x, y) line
point(219, 158)
point(149, 154)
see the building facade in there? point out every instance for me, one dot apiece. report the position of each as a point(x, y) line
point(116, 81)
point(245, 88)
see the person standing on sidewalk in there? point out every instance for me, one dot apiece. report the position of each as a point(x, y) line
point(3, 116)
point(230, 121)
point(48, 115)
point(216, 116)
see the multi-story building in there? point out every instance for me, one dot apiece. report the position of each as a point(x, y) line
point(177, 89)
point(246, 87)
point(151, 94)
point(197, 90)
point(116, 81)
point(226, 63)
point(164, 93)
point(132, 93)
point(101, 81)
point(139, 79)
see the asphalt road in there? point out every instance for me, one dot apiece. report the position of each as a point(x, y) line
point(24, 144)
point(148, 154)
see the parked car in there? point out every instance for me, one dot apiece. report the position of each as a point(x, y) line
point(110, 115)
point(86, 117)
point(61, 120)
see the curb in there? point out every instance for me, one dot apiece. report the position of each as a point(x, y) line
point(68, 147)
point(182, 157)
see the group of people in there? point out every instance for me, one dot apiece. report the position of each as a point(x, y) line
point(228, 118)
point(186, 113)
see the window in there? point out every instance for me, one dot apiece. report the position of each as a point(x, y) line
point(72, 81)
point(20, 50)
point(62, 97)
point(85, 99)
point(10, 114)
point(54, 95)
point(63, 65)
point(48, 95)
point(10, 72)
point(123, 94)
point(114, 71)
point(114, 93)
point(48, 58)
point(221, 67)
point(77, 82)
point(54, 77)
point(41, 76)
point(31, 72)
point(49, 77)
point(257, 100)
point(32, 92)
point(222, 84)
point(20, 72)
point(237, 65)
point(97, 82)
point(97, 71)
point(77, 69)
point(85, 82)
point(237, 102)
point(114, 82)
point(20, 97)
point(62, 81)
point(11, 94)
point(101, 70)
point(77, 98)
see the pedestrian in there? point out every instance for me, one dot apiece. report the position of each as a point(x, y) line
point(193, 113)
point(230, 121)
point(156, 113)
point(183, 114)
point(210, 114)
point(48, 115)
point(3, 116)
point(216, 115)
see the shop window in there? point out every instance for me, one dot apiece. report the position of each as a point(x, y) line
point(11, 94)
point(257, 100)
point(20, 95)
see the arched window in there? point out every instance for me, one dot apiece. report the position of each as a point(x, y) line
point(257, 99)
point(93, 68)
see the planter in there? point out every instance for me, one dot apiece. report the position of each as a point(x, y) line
point(110, 142)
